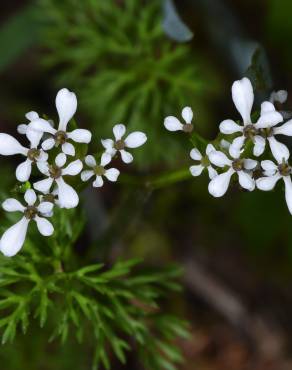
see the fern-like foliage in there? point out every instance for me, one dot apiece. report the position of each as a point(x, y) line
point(117, 307)
point(116, 55)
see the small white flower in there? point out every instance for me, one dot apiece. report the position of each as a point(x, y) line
point(99, 171)
point(274, 172)
point(219, 184)
point(133, 140)
point(66, 104)
point(10, 146)
point(13, 238)
point(279, 96)
point(259, 132)
point(204, 162)
point(67, 196)
point(30, 116)
point(171, 123)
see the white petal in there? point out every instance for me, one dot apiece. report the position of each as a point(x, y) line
point(269, 119)
point(242, 95)
point(86, 175)
point(32, 116)
point(23, 171)
point(285, 129)
point(80, 136)
point(44, 226)
point(126, 156)
point(267, 107)
point(119, 131)
point(196, 170)
point(288, 192)
point(21, 129)
point(43, 156)
point(108, 144)
point(90, 161)
point(219, 184)
point(195, 154)
point(13, 238)
point(229, 127)
point(135, 139)
point(267, 183)
point(259, 145)
point(68, 149)
point(43, 167)
point(45, 207)
point(171, 123)
point(66, 104)
point(10, 146)
point(209, 149)
point(34, 137)
point(236, 146)
point(225, 144)
point(60, 160)
point(219, 159)
point(269, 166)
point(48, 144)
point(279, 96)
point(30, 197)
point(43, 185)
point(250, 164)
point(246, 181)
point(212, 172)
point(42, 125)
point(98, 182)
point(12, 205)
point(73, 169)
point(279, 150)
point(187, 114)
point(112, 174)
point(68, 198)
point(105, 159)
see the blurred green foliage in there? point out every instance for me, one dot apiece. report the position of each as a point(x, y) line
point(124, 68)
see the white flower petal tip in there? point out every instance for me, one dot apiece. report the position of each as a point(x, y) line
point(229, 127)
point(135, 139)
point(187, 114)
point(67, 196)
point(279, 150)
point(171, 123)
point(119, 131)
point(112, 174)
point(267, 183)
point(280, 96)
point(288, 192)
point(243, 97)
point(66, 104)
point(13, 238)
point(44, 226)
point(219, 184)
point(196, 170)
point(80, 136)
point(195, 154)
point(246, 181)
point(10, 146)
point(219, 159)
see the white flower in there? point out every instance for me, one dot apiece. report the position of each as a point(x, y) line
point(259, 132)
point(31, 116)
point(219, 184)
point(133, 140)
point(13, 238)
point(279, 96)
point(67, 196)
point(204, 162)
point(171, 123)
point(66, 104)
point(99, 170)
point(10, 146)
point(274, 172)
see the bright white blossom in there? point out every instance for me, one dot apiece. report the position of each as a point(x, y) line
point(99, 171)
point(66, 104)
point(67, 196)
point(273, 173)
point(242, 167)
point(261, 131)
point(120, 144)
point(12, 240)
point(171, 123)
point(196, 170)
point(10, 146)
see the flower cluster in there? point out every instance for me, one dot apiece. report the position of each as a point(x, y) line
point(247, 146)
point(52, 156)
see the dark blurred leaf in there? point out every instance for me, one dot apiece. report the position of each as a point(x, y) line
point(17, 35)
point(173, 25)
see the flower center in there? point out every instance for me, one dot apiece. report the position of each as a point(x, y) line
point(188, 127)
point(49, 198)
point(205, 162)
point(30, 212)
point(120, 145)
point(238, 164)
point(266, 132)
point(60, 137)
point(33, 154)
point(55, 171)
point(249, 131)
point(284, 169)
point(99, 170)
